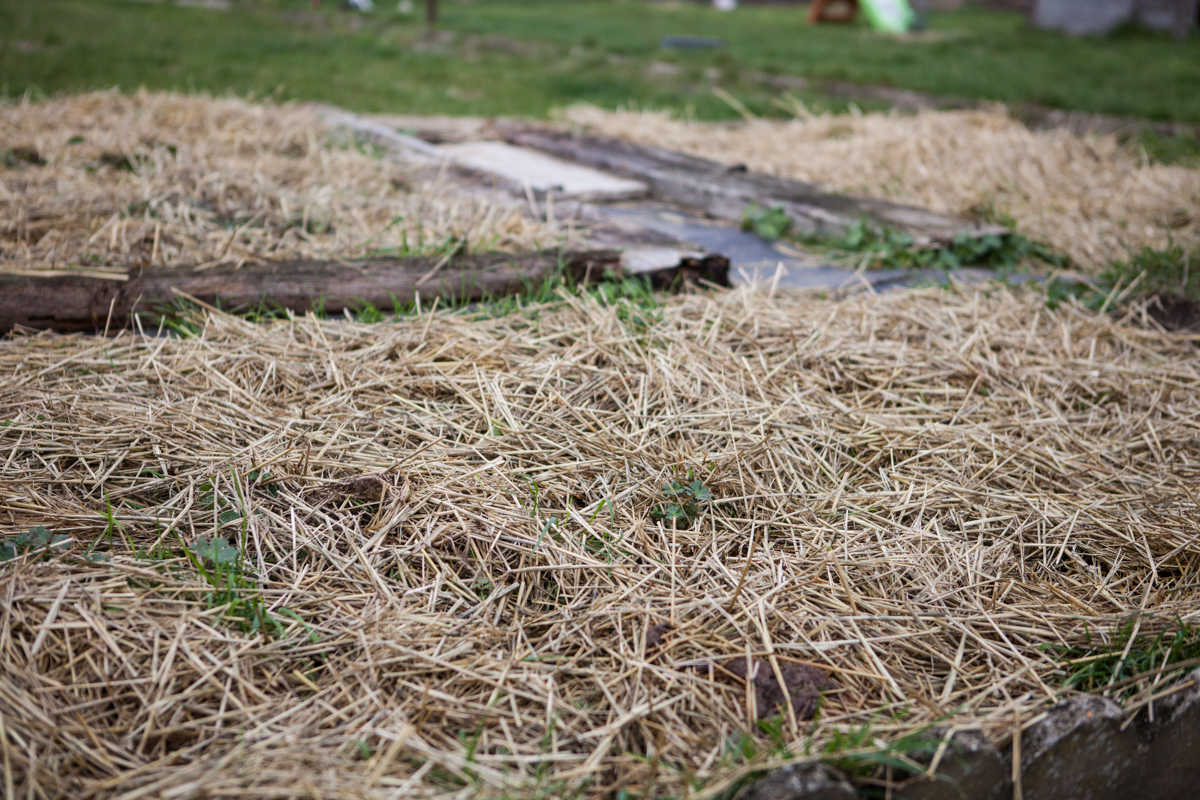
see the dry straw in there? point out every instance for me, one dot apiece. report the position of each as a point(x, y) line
point(447, 569)
point(450, 548)
point(104, 180)
point(1088, 196)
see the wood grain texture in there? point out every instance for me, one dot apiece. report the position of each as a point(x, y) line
point(83, 302)
point(725, 192)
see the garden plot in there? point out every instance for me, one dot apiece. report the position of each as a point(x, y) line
point(602, 543)
point(532, 555)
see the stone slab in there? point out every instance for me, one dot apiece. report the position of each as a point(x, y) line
point(740, 247)
point(542, 173)
point(1077, 752)
point(1169, 764)
point(436, 129)
point(401, 146)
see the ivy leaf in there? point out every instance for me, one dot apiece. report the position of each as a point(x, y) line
point(672, 511)
point(40, 537)
point(674, 487)
point(216, 551)
point(768, 222)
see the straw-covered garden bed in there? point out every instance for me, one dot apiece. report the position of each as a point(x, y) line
point(450, 551)
point(104, 181)
point(537, 555)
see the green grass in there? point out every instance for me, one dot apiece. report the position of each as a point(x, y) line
point(1172, 270)
point(887, 248)
point(1179, 149)
point(637, 303)
point(494, 57)
point(1116, 661)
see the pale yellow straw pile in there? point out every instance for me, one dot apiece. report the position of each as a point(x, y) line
point(104, 180)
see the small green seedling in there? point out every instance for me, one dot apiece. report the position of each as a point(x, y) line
point(881, 247)
point(217, 551)
point(768, 222)
point(38, 539)
point(687, 499)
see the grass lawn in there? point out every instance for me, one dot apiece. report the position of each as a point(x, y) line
point(527, 58)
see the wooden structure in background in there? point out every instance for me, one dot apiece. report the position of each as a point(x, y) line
point(832, 11)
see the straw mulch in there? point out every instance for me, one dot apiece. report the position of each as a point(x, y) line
point(450, 524)
point(105, 180)
point(1090, 197)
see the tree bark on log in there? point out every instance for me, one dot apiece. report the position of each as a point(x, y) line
point(86, 302)
point(726, 192)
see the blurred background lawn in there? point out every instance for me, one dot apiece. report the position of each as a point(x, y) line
point(527, 57)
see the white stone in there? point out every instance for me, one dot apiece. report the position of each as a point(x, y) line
point(652, 259)
point(526, 167)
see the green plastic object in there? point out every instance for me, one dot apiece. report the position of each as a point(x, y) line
point(889, 16)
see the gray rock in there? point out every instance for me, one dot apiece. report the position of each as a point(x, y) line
point(1168, 767)
point(970, 769)
point(1078, 751)
point(801, 782)
point(1089, 17)
point(1081, 17)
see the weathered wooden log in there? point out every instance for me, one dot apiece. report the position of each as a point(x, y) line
point(86, 301)
point(726, 192)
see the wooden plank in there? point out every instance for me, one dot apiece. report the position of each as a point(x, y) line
point(725, 192)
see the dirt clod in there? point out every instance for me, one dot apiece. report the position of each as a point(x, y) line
point(803, 682)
